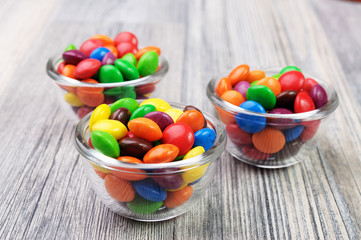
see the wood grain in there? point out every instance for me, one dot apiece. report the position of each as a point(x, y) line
point(44, 193)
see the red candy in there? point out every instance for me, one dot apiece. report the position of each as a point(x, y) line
point(292, 80)
point(126, 37)
point(303, 103)
point(89, 45)
point(126, 47)
point(180, 135)
point(87, 68)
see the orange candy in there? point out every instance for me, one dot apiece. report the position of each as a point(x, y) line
point(91, 96)
point(161, 154)
point(112, 48)
point(129, 173)
point(193, 118)
point(269, 140)
point(100, 173)
point(147, 49)
point(239, 73)
point(223, 85)
point(255, 75)
point(177, 198)
point(145, 128)
point(225, 116)
point(271, 83)
point(105, 39)
point(68, 71)
point(119, 189)
point(233, 97)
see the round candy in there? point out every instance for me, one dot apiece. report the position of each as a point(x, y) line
point(73, 99)
point(289, 68)
point(271, 83)
point(110, 74)
point(104, 38)
point(128, 70)
point(113, 127)
point(126, 37)
point(128, 103)
point(134, 147)
point(145, 128)
point(310, 131)
point(280, 123)
point(159, 104)
point(87, 68)
point(73, 57)
point(249, 123)
point(181, 135)
point(223, 85)
point(149, 190)
point(162, 153)
point(148, 63)
point(190, 107)
point(233, 97)
point(318, 95)
point(309, 83)
point(239, 73)
point(142, 206)
point(255, 75)
point(126, 47)
point(193, 118)
point(194, 152)
point(174, 113)
point(286, 99)
point(194, 173)
point(129, 57)
point(91, 96)
point(99, 53)
point(269, 140)
point(141, 52)
point(303, 103)
point(167, 180)
point(177, 198)
point(89, 45)
point(292, 133)
point(105, 143)
point(122, 115)
point(162, 119)
point(242, 88)
point(204, 137)
point(119, 189)
point(100, 112)
point(292, 80)
point(130, 174)
point(112, 49)
point(108, 59)
point(237, 135)
point(142, 111)
point(263, 95)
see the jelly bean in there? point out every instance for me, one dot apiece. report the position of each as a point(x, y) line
point(204, 137)
point(292, 80)
point(126, 47)
point(68, 71)
point(166, 179)
point(194, 152)
point(112, 49)
point(89, 45)
point(110, 74)
point(99, 53)
point(114, 127)
point(174, 113)
point(148, 63)
point(108, 59)
point(251, 152)
point(159, 104)
point(129, 71)
point(280, 123)
point(73, 57)
point(121, 92)
point(271, 83)
point(233, 97)
point(193, 118)
point(141, 52)
point(61, 67)
point(142, 111)
point(105, 143)
point(318, 96)
point(145, 128)
point(292, 133)
point(286, 99)
point(83, 111)
point(119, 189)
point(142, 206)
point(129, 57)
point(178, 198)
point(181, 135)
point(242, 88)
point(255, 75)
point(162, 153)
point(239, 73)
point(121, 114)
point(190, 107)
point(128, 103)
point(263, 95)
point(223, 85)
point(269, 140)
point(73, 99)
point(104, 38)
point(149, 190)
point(237, 135)
point(101, 112)
point(87, 68)
point(70, 47)
point(276, 76)
point(309, 83)
point(126, 37)
point(194, 172)
point(249, 123)
point(131, 173)
point(310, 131)
point(303, 103)
point(162, 119)
point(289, 68)
point(134, 147)
point(99, 173)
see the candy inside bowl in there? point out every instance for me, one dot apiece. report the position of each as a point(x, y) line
point(160, 167)
point(273, 116)
point(103, 70)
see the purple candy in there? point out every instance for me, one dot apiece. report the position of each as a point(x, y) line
point(280, 123)
point(166, 180)
point(242, 88)
point(73, 57)
point(318, 95)
point(109, 59)
point(162, 119)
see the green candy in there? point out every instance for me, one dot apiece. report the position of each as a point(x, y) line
point(254, 83)
point(129, 57)
point(179, 158)
point(277, 76)
point(129, 71)
point(148, 63)
point(110, 74)
point(105, 143)
point(70, 47)
point(289, 68)
point(263, 95)
point(142, 111)
point(129, 103)
point(142, 206)
point(121, 92)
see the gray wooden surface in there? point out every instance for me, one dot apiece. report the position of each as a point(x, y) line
point(43, 191)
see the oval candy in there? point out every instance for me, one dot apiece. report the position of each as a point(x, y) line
point(110, 74)
point(134, 147)
point(204, 137)
point(87, 68)
point(73, 57)
point(162, 153)
point(162, 119)
point(113, 127)
point(303, 103)
point(318, 96)
point(99, 53)
point(148, 63)
point(177, 198)
point(158, 103)
point(145, 128)
point(105, 143)
point(142, 111)
point(149, 190)
point(128, 70)
point(181, 135)
point(249, 123)
point(292, 80)
point(99, 113)
point(167, 179)
point(128, 103)
point(122, 115)
point(263, 95)
point(119, 189)
point(142, 206)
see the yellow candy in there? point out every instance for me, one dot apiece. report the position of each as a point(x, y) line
point(101, 112)
point(158, 103)
point(184, 184)
point(113, 127)
point(194, 152)
point(73, 99)
point(174, 113)
point(194, 174)
point(99, 168)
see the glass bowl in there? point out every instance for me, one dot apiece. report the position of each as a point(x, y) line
point(301, 131)
point(114, 181)
point(92, 95)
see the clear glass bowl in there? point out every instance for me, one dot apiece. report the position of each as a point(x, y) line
point(92, 95)
point(302, 129)
point(200, 169)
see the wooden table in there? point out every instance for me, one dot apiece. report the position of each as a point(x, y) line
point(44, 193)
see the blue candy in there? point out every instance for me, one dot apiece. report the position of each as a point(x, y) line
point(293, 133)
point(204, 137)
point(99, 53)
point(249, 123)
point(149, 190)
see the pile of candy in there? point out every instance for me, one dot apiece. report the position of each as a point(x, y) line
point(288, 92)
point(152, 132)
point(103, 60)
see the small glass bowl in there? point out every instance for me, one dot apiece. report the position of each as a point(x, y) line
point(92, 95)
point(301, 130)
point(103, 171)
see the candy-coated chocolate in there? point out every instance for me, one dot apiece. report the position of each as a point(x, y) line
point(113, 127)
point(126, 37)
point(269, 140)
point(174, 113)
point(310, 130)
point(145, 89)
point(237, 135)
point(108, 59)
point(309, 83)
point(73, 99)
point(204, 137)
point(61, 67)
point(263, 95)
point(234, 97)
point(101, 112)
point(110, 74)
point(73, 57)
point(112, 49)
point(87, 68)
point(119, 189)
point(122, 114)
point(194, 173)
point(318, 96)
point(289, 68)
point(223, 85)
point(142, 111)
point(177, 198)
point(159, 104)
point(286, 99)
point(90, 96)
point(249, 123)
point(104, 38)
point(128, 70)
point(303, 103)
point(194, 152)
point(292, 80)
point(121, 92)
point(145, 128)
point(190, 107)
point(134, 147)
point(149, 190)
point(280, 123)
point(162, 119)
point(255, 75)
point(126, 47)
point(293, 133)
point(129, 173)
point(141, 52)
point(142, 206)
point(242, 88)
point(100, 173)
point(105, 143)
point(181, 135)
point(70, 47)
point(193, 118)
point(148, 63)
point(99, 53)
point(239, 73)
point(89, 45)
point(162, 153)
point(271, 83)
point(254, 154)
point(129, 57)
point(166, 179)
point(128, 103)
